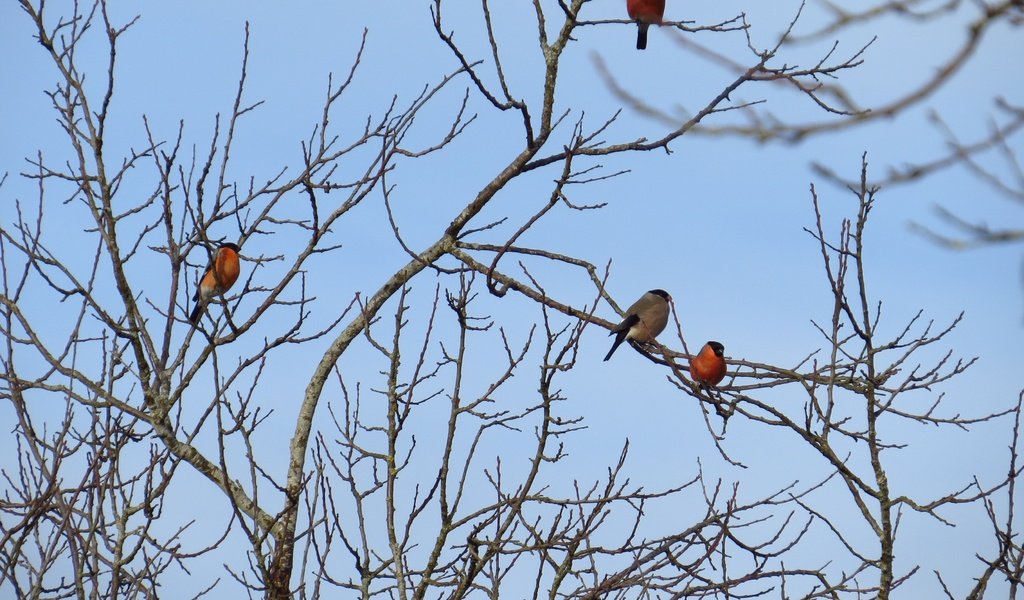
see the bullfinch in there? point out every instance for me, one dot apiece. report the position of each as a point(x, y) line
point(218, 278)
point(645, 13)
point(708, 366)
point(645, 319)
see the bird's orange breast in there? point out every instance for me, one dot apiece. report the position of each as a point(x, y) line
point(707, 367)
point(648, 11)
point(226, 269)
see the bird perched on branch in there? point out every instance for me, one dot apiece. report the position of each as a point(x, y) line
point(218, 278)
point(645, 319)
point(708, 366)
point(645, 13)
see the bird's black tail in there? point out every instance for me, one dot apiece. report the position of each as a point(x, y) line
point(194, 317)
point(641, 36)
point(620, 336)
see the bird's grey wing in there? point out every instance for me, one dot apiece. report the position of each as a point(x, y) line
point(631, 319)
point(656, 318)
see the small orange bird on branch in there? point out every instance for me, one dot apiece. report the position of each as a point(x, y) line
point(218, 278)
point(645, 13)
point(708, 367)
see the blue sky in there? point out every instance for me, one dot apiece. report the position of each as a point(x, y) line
point(718, 223)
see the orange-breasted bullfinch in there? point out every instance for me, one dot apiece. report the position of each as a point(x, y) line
point(645, 319)
point(645, 13)
point(708, 366)
point(219, 277)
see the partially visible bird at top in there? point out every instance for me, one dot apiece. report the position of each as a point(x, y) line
point(644, 320)
point(645, 13)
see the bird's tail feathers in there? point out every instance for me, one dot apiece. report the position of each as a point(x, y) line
point(194, 316)
point(621, 337)
point(641, 36)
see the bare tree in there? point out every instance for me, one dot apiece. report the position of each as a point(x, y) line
point(993, 159)
point(410, 467)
